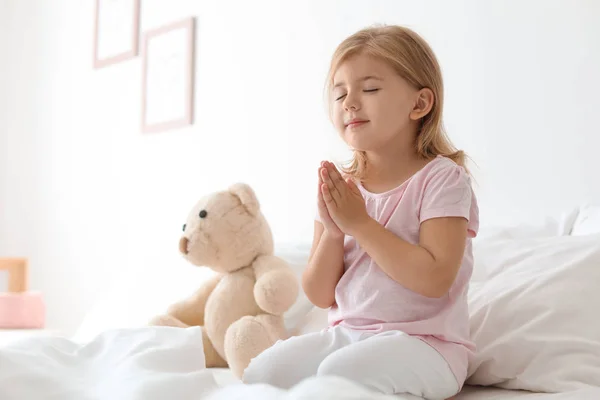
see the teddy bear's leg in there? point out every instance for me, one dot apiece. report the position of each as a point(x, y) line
point(248, 337)
point(213, 359)
point(167, 320)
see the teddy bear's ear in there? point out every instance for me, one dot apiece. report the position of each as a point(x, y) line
point(247, 196)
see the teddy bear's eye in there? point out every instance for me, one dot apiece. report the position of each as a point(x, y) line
point(183, 227)
point(203, 214)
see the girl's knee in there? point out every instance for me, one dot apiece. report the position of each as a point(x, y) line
point(386, 379)
point(338, 366)
point(262, 368)
point(275, 366)
point(353, 372)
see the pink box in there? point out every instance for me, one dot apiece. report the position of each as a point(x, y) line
point(24, 310)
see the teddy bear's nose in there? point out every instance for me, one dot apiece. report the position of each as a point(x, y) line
point(183, 245)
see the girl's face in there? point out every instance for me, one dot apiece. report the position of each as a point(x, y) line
point(373, 107)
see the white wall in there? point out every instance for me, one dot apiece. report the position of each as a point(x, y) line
point(85, 195)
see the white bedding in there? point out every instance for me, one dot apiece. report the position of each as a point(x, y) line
point(332, 388)
point(153, 363)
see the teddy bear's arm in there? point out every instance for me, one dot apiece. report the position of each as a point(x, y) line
point(190, 311)
point(276, 287)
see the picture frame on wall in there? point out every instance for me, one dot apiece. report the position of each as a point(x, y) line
point(168, 76)
point(116, 31)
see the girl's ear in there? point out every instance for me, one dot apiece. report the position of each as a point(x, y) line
point(423, 104)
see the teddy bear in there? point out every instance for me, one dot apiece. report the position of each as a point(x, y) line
point(241, 307)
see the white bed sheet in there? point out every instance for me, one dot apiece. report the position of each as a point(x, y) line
point(224, 378)
point(489, 393)
point(157, 363)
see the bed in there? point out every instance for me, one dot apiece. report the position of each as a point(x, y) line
point(533, 305)
point(157, 363)
point(224, 378)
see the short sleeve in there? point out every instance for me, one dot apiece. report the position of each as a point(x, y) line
point(447, 192)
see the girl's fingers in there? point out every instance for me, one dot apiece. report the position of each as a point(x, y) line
point(327, 197)
point(320, 181)
point(335, 173)
point(352, 186)
point(321, 200)
point(329, 182)
point(337, 192)
point(338, 182)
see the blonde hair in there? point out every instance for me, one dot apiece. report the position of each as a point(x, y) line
point(414, 60)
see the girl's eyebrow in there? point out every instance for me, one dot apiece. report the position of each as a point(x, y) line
point(364, 78)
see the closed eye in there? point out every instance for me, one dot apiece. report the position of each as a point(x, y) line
point(366, 91)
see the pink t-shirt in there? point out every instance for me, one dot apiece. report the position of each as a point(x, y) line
point(368, 299)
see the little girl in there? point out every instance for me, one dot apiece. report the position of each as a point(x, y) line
point(391, 255)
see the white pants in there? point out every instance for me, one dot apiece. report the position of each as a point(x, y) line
point(389, 362)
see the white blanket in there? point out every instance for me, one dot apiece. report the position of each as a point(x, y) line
point(150, 363)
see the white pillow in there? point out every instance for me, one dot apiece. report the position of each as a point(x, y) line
point(588, 220)
point(535, 317)
point(142, 293)
point(542, 225)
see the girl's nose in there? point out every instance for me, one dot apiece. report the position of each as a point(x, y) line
point(351, 103)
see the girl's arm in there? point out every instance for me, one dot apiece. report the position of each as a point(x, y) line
point(325, 267)
point(428, 268)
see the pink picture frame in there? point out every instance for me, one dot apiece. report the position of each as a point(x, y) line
point(168, 54)
point(116, 31)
